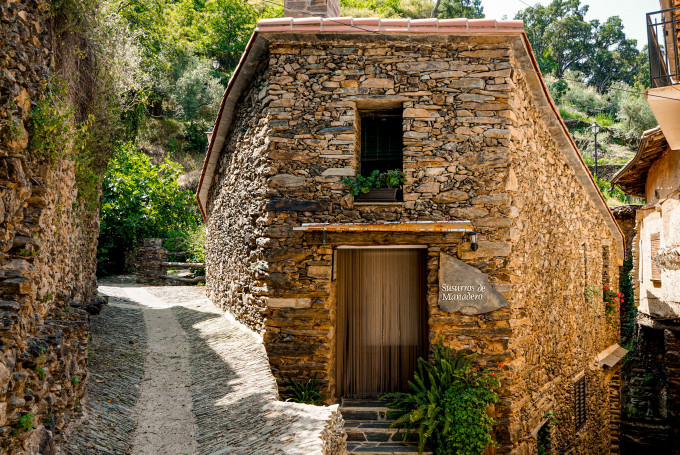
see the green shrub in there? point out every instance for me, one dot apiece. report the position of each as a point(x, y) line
point(306, 392)
point(635, 114)
point(25, 424)
point(389, 179)
point(140, 200)
point(613, 195)
point(586, 98)
point(447, 404)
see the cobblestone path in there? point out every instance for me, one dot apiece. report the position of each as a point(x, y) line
point(171, 374)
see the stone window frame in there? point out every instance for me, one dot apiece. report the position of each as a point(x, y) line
point(363, 106)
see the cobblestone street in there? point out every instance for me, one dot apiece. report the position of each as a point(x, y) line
point(169, 373)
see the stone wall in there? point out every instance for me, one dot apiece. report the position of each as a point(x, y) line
point(149, 265)
point(561, 246)
point(47, 252)
point(475, 149)
point(235, 231)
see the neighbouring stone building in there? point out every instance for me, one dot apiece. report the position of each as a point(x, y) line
point(651, 392)
point(352, 290)
point(47, 251)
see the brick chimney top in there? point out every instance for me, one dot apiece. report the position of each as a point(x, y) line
point(308, 8)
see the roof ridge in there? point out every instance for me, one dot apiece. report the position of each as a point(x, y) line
point(391, 25)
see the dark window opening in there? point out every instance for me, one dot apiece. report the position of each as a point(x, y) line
point(381, 141)
point(544, 439)
point(580, 403)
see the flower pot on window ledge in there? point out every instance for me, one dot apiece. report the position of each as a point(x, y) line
point(379, 195)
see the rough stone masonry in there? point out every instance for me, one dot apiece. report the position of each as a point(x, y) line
point(482, 143)
point(47, 252)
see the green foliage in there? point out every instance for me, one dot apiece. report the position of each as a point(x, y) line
point(25, 424)
point(306, 392)
point(626, 287)
point(52, 123)
point(563, 40)
point(544, 437)
point(613, 194)
point(40, 372)
point(389, 179)
point(196, 243)
point(387, 8)
point(447, 404)
point(592, 295)
point(196, 94)
point(472, 9)
point(612, 301)
point(634, 113)
point(140, 200)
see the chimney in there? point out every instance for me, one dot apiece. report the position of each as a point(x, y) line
point(308, 8)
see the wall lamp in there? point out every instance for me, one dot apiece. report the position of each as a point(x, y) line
point(472, 236)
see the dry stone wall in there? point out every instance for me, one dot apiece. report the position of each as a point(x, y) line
point(47, 253)
point(475, 149)
point(560, 246)
point(235, 235)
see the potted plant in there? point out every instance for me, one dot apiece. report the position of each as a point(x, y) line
point(378, 186)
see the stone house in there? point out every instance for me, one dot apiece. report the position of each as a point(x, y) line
point(652, 392)
point(499, 241)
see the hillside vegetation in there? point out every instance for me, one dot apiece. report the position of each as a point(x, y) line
point(594, 72)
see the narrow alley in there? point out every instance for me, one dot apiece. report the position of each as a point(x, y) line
point(171, 374)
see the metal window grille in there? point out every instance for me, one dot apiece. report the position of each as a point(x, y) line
point(580, 403)
point(381, 141)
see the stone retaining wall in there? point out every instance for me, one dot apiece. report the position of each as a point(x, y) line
point(47, 252)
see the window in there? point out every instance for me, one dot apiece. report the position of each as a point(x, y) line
point(580, 403)
point(655, 242)
point(381, 141)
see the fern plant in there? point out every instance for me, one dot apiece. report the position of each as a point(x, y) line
point(307, 392)
point(447, 404)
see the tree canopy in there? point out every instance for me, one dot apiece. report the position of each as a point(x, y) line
point(563, 40)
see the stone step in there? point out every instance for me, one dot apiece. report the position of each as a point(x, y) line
point(355, 409)
point(384, 448)
point(375, 431)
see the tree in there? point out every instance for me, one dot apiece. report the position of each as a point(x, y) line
point(613, 57)
point(562, 40)
point(140, 200)
point(559, 34)
point(445, 9)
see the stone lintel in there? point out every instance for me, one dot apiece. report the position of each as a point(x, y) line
point(289, 302)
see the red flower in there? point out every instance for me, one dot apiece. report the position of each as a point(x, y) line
point(493, 374)
point(606, 287)
point(621, 300)
point(501, 365)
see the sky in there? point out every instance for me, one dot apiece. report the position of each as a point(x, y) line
point(631, 12)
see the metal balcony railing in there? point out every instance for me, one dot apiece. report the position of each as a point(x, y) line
point(662, 35)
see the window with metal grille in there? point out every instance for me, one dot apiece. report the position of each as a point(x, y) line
point(580, 403)
point(381, 141)
point(655, 241)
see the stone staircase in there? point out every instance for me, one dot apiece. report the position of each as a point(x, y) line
point(369, 433)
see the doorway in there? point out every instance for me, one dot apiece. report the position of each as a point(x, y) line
point(381, 328)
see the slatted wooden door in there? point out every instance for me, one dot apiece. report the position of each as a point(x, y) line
point(381, 319)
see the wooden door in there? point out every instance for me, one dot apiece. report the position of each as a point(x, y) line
point(381, 319)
